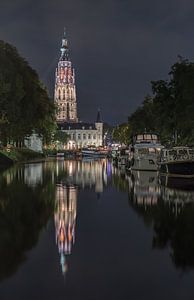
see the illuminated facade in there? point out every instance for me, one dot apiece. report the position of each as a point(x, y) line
point(65, 92)
point(80, 134)
point(83, 135)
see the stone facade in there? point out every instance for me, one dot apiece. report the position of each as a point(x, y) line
point(83, 135)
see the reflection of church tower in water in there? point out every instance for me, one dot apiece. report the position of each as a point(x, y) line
point(65, 93)
point(65, 219)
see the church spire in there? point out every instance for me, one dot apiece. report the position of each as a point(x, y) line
point(98, 119)
point(64, 47)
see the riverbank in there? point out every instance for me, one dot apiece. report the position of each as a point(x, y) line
point(17, 155)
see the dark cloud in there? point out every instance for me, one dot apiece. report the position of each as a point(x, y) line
point(117, 46)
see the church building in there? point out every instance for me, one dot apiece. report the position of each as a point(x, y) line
point(80, 134)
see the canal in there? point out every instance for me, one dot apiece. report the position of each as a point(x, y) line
point(87, 230)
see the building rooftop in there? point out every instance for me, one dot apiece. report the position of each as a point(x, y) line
point(78, 126)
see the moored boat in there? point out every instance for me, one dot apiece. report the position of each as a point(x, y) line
point(145, 152)
point(177, 161)
point(94, 152)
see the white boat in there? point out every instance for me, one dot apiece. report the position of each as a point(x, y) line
point(94, 153)
point(177, 161)
point(145, 152)
point(60, 154)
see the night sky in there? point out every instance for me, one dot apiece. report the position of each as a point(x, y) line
point(117, 46)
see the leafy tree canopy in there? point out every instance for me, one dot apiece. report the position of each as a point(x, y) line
point(170, 110)
point(24, 102)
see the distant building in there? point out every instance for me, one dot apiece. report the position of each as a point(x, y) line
point(34, 142)
point(80, 134)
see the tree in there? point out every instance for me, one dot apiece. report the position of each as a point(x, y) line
point(24, 102)
point(144, 118)
point(61, 137)
point(122, 134)
point(170, 111)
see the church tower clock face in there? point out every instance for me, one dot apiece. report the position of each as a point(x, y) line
point(65, 91)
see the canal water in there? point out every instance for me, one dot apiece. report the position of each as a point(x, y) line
point(87, 230)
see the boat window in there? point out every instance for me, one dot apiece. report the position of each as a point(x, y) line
point(154, 137)
point(151, 162)
point(143, 151)
point(140, 137)
point(147, 136)
point(152, 150)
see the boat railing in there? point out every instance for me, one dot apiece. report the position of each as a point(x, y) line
point(178, 157)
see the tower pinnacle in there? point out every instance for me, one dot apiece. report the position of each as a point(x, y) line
point(64, 47)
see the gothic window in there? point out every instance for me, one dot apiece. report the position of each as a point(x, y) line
point(59, 94)
point(63, 94)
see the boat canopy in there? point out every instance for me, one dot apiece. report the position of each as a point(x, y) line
point(146, 138)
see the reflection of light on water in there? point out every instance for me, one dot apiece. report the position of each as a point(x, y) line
point(57, 169)
point(109, 169)
point(63, 263)
point(85, 174)
point(88, 173)
point(33, 174)
point(65, 219)
point(145, 188)
point(70, 169)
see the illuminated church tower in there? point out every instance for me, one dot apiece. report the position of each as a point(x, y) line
point(65, 93)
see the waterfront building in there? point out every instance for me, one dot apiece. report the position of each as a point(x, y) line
point(81, 134)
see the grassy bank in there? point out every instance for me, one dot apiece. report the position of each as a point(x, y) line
point(20, 154)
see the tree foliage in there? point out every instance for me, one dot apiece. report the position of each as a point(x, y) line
point(61, 137)
point(121, 133)
point(24, 102)
point(170, 110)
